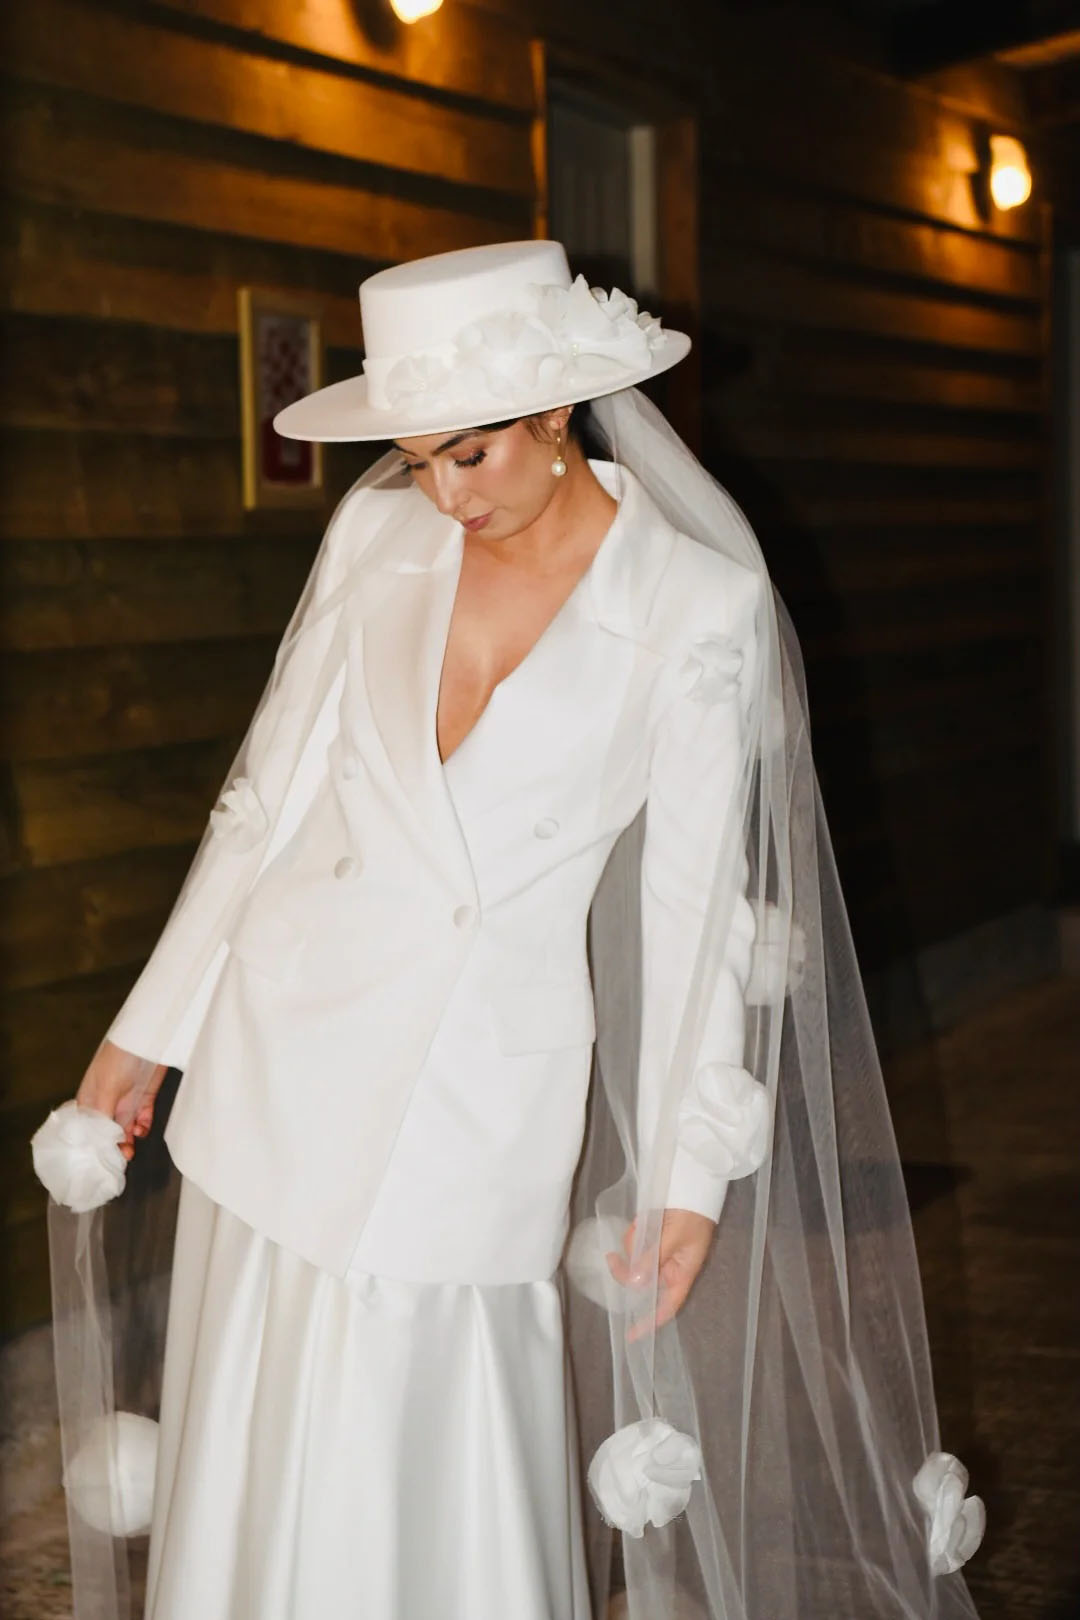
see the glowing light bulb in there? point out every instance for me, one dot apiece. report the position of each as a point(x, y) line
point(410, 11)
point(1010, 177)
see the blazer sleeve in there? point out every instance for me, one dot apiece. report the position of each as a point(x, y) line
point(162, 1014)
point(693, 823)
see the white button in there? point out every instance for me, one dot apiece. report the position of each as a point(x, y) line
point(547, 828)
point(346, 867)
point(349, 766)
point(464, 916)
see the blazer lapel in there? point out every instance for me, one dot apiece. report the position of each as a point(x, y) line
point(633, 557)
point(400, 638)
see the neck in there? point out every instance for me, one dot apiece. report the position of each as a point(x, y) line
point(576, 518)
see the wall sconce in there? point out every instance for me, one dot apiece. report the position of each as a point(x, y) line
point(1010, 177)
point(410, 11)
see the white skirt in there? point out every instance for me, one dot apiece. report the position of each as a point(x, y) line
point(362, 1448)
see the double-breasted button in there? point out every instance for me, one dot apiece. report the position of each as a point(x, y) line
point(349, 766)
point(346, 867)
point(465, 917)
point(547, 827)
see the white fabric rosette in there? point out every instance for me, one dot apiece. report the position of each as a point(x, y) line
point(572, 336)
point(710, 673)
point(724, 1120)
point(416, 379)
point(238, 818)
point(77, 1157)
point(642, 1474)
point(110, 1479)
point(598, 332)
point(509, 355)
point(591, 1241)
point(620, 307)
point(956, 1522)
point(778, 960)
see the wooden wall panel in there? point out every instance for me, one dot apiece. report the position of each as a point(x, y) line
point(57, 261)
point(62, 44)
point(86, 916)
point(87, 154)
point(799, 296)
point(876, 395)
point(69, 809)
point(461, 50)
point(64, 704)
point(96, 592)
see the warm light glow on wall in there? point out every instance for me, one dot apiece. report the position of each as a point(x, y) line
point(411, 10)
point(1010, 177)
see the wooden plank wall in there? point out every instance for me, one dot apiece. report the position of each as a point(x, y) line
point(160, 156)
point(873, 362)
point(876, 394)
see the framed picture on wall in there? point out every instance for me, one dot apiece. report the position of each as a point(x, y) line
point(281, 357)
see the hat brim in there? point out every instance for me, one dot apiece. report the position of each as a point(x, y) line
point(341, 413)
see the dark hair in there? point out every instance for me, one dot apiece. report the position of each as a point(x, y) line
point(579, 429)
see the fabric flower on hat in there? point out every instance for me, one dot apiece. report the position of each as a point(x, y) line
point(239, 819)
point(724, 1120)
point(594, 330)
point(620, 307)
point(642, 1474)
point(571, 336)
point(956, 1522)
point(417, 380)
point(77, 1156)
point(711, 670)
point(511, 353)
point(650, 325)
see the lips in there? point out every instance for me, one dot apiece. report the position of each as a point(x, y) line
point(472, 524)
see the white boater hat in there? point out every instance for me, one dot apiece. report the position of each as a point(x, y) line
point(482, 335)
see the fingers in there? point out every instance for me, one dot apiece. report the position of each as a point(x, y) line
point(670, 1300)
point(674, 1286)
point(636, 1276)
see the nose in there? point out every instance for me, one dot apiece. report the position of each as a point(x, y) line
point(449, 494)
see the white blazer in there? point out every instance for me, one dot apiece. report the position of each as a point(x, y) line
point(367, 915)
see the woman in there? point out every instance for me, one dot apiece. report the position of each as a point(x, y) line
point(528, 700)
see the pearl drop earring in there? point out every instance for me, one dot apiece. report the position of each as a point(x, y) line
point(558, 466)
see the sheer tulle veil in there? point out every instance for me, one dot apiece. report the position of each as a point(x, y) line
point(772, 1452)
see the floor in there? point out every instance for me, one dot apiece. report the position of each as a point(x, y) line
point(987, 1116)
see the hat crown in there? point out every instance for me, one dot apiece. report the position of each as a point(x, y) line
point(421, 306)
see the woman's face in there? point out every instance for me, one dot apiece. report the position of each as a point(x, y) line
point(496, 483)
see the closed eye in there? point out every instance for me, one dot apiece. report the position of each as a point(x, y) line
point(468, 461)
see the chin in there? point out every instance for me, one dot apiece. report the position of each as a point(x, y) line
point(501, 527)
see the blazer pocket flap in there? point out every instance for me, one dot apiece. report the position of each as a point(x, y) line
point(267, 942)
point(544, 1017)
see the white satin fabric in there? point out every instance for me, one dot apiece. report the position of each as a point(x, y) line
point(361, 1448)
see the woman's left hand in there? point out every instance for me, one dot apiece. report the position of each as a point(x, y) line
point(685, 1240)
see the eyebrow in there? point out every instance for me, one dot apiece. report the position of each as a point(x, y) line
point(449, 444)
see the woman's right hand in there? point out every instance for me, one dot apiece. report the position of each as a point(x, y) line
point(123, 1086)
